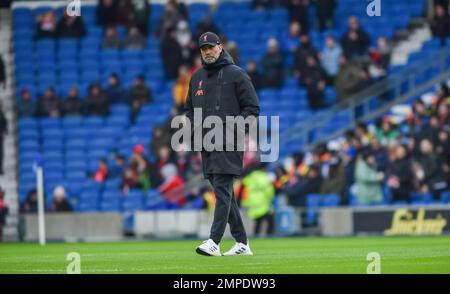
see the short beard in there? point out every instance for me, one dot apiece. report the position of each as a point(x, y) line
point(209, 60)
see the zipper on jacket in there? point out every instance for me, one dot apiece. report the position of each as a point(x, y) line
point(219, 89)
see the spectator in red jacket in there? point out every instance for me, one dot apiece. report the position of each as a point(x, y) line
point(101, 173)
point(130, 180)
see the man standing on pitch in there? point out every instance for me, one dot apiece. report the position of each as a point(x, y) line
point(222, 89)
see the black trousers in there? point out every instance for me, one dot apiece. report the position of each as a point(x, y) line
point(1, 154)
point(227, 210)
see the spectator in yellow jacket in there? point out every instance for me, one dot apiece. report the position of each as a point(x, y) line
point(260, 193)
point(181, 87)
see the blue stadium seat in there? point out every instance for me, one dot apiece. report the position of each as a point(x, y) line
point(90, 196)
point(76, 165)
point(53, 166)
point(28, 156)
point(76, 144)
point(313, 200)
point(96, 154)
point(74, 155)
point(100, 143)
point(76, 133)
point(86, 206)
point(51, 133)
point(419, 198)
point(49, 123)
point(64, 44)
point(112, 184)
point(331, 200)
point(445, 197)
point(66, 59)
point(70, 77)
point(132, 204)
point(22, 12)
point(52, 155)
point(88, 53)
point(27, 123)
point(110, 205)
point(72, 121)
point(117, 121)
point(111, 192)
point(93, 121)
point(29, 146)
point(52, 144)
point(53, 176)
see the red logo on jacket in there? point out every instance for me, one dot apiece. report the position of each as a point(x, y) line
point(199, 90)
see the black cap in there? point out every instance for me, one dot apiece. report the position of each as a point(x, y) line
point(208, 38)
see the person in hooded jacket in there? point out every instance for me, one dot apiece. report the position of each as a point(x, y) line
point(221, 88)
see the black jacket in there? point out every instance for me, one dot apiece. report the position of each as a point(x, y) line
point(171, 54)
point(325, 8)
point(97, 105)
point(72, 106)
point(355, 48)
point(75, 30)
point(401, 168)
point(238, 98)
point(273, 70)
point(440, 26)
point(3, 123)
point(2, 71)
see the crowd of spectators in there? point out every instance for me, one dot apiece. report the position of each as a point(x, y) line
point(349, 63)
point(387, 159)
point(365, 161)
point(345, 62)
point(49, 26)
point(97, 101)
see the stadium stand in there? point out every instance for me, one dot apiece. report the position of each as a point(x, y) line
point(71, 146)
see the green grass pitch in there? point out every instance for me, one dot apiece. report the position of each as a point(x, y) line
point(278, 255)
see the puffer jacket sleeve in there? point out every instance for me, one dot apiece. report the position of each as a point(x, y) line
point(248, 100)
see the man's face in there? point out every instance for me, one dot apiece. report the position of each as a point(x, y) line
point(426, 147)
point(26, 96)
point(330, 42)
point(210, 54)
point(112, 81)
point(353, 23)
point(311, 61)
point(139, 82)
point(251, 66)
point(95, 91)
point(400, 152)
point(49, 94)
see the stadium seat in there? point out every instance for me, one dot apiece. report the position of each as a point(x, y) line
point(331, 200)
point(78, 143)
point(445, 197)
point(419, 198)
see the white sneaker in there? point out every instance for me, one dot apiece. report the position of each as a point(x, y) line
point(209, 248)
point(239, 249)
